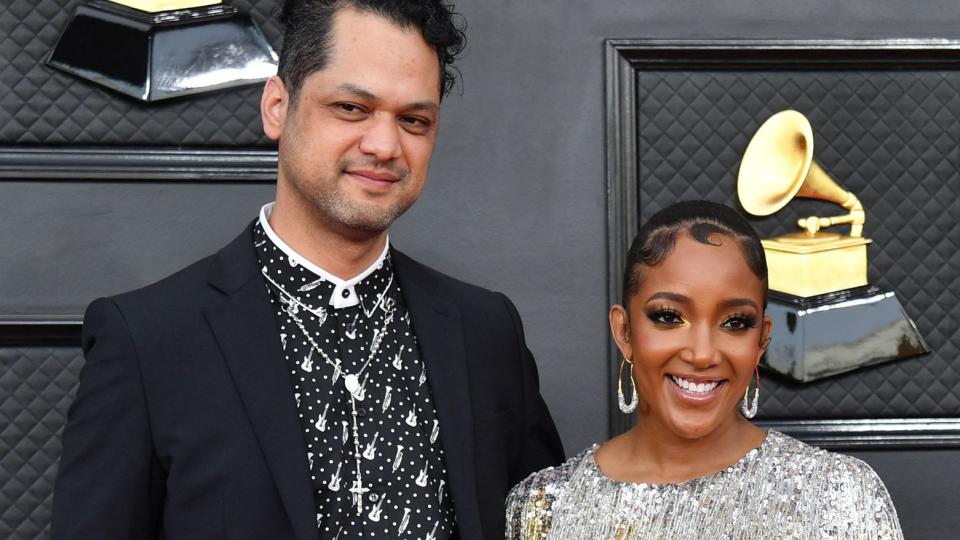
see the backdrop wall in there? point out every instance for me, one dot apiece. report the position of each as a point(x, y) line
point(515, 200)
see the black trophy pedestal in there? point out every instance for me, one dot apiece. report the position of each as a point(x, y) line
point(155, 56)
point(824, 335)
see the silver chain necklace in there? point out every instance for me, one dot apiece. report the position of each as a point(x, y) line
point(351, 381)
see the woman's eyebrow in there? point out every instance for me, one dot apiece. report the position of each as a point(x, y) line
point(676, 297)
point(683, 299)
point(734, 302)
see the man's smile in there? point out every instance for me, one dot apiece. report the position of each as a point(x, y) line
point(373, 180)
point(380, 176)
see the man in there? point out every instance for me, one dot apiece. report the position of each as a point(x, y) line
point(308, 381)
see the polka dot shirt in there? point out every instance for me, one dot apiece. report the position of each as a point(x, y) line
point(363, 398)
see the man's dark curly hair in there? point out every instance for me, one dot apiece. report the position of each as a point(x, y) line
point(307, 42)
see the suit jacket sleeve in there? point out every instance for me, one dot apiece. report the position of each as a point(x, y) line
point(541, 446)
point(109, 483)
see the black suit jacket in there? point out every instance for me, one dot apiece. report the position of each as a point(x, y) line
point(185, 424)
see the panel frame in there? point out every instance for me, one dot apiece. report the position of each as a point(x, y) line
point(40, 331)
point(623, 59)
point(78, 163)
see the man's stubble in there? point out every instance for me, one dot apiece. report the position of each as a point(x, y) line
point(332, 205)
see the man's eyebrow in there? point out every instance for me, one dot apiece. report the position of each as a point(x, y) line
point(358, 91)
point(367, 95)
point(424, 106)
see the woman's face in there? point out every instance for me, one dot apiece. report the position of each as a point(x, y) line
point(693, 333)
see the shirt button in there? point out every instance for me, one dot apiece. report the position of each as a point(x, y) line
point(345, 293)
point(361, 412)
point(373, 497)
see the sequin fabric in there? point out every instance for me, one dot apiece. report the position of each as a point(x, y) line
point(783, 489)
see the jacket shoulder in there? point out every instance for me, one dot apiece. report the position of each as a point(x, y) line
point(177, 288)
point(196, 284)
point(432, 278)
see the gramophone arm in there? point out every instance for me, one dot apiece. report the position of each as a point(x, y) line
point(855, 218)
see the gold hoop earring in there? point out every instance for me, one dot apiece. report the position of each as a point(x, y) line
point(749, 409)
point(626, 408)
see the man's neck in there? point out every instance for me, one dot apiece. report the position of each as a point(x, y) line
point(340, 254)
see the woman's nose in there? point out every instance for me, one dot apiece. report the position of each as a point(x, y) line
point(702, 350)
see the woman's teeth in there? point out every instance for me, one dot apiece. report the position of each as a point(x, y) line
point(698, 388)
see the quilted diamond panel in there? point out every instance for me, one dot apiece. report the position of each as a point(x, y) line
point(892, 138)
point(37, 385)
point(39, 105)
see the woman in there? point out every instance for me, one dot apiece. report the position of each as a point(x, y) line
point(692, 330)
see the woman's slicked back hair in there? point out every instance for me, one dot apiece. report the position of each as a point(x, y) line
point(700, 219)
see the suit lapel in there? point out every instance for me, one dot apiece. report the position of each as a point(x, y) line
point(245, 329)
point(436, 323)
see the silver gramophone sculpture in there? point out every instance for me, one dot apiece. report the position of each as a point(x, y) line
point(159, 49)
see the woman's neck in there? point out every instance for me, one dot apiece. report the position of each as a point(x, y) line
point(653, 453)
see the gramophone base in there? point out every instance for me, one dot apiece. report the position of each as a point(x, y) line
point(809, 270)
point(156, 56)
point(820, 336)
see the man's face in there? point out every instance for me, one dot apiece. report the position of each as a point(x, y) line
point(355, 146)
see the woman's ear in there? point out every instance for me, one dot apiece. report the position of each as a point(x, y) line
point(766, 328)
point(273, 107)
point(620, 329)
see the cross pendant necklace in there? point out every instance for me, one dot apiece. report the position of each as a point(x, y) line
point(355, 387)
point(351, 381)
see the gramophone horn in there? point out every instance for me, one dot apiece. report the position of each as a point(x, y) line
point(778, 165)
point(775, 163)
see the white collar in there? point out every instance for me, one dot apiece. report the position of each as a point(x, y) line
point(337, 299)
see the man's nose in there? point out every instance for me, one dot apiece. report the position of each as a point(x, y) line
point(382, 139)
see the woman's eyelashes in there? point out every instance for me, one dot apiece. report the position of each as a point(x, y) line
point(739, 322)
point(664, 316)
point(669, 317)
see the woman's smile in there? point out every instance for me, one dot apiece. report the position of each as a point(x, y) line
point(695, 391)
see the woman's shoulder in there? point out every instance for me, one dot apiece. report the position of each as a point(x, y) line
point(552, 478)
point(848, 488)
point(846, 469)
point(530, 501)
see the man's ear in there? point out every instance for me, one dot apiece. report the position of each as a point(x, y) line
point(273, 107)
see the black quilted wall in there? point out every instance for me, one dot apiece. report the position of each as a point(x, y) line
point(43, 106)
point(37, 385)
point(892, 138)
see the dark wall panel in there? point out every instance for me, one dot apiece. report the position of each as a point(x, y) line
point(922, 489)
point(70, 242)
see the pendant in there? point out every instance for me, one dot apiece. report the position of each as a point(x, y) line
point(351, 382)
point(357, 491)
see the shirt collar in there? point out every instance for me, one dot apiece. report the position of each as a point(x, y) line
point(344, 291)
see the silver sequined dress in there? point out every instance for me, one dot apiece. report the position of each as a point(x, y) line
point(783, 489)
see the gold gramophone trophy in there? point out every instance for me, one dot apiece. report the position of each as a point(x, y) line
point(827, 317)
